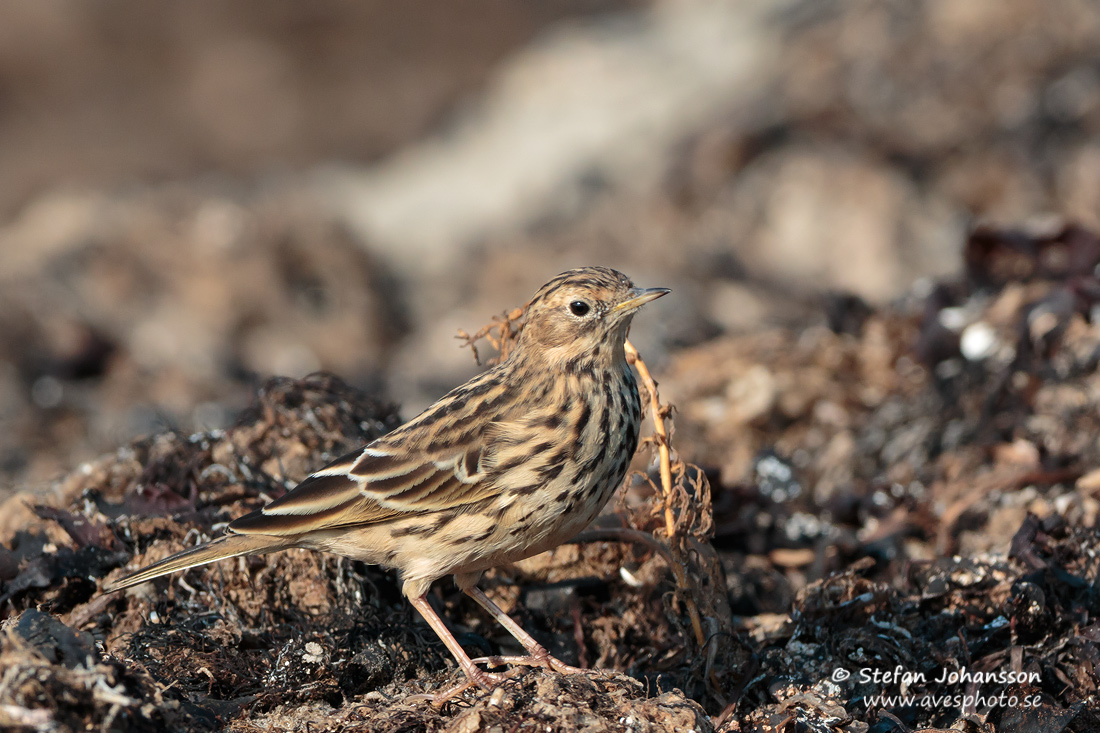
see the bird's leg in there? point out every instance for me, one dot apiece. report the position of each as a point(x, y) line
point(476, 676)
point(539, 656)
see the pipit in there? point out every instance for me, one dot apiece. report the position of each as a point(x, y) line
point(514, 462)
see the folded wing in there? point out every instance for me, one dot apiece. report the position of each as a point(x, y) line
point(370, 486)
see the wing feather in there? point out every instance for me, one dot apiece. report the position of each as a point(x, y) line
point(399, 482)
point(450, 456)
point(369, 487)
point(317, 493)
point(354, 512)
point(428, 495)
point(320, 501)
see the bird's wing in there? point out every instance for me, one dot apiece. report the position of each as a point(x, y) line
point(451, 455)
point(375, 484)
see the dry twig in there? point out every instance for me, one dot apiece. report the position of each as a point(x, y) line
point(501, 335)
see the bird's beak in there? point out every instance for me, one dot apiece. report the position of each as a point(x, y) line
point(639, 297)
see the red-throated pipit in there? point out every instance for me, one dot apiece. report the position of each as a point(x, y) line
point(514, 462)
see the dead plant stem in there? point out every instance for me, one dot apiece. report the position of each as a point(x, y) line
point(664, 453)
point(663, 450)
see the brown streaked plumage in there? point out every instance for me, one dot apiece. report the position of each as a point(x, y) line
point(514, 462)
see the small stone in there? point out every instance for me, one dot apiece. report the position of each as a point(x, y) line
point(979, 341)
point(315, 653)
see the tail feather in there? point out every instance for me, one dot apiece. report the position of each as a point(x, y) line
point(231, 545)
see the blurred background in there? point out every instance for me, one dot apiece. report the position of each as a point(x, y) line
point(197, 195)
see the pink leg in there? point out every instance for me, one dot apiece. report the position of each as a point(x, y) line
point(539, 656)
point(475, 675)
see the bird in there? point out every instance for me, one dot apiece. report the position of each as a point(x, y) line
point(514, 462)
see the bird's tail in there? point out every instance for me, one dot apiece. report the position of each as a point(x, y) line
point(231, 545)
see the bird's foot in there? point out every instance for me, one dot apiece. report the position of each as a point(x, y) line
point(476, 677)
point(536, 660)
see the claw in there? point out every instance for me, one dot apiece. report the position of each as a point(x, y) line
point(487, 681)
point(547, 662)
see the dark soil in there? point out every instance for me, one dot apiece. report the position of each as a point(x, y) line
point(922, 502)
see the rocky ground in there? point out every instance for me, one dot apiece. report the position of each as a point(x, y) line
point(880, 224)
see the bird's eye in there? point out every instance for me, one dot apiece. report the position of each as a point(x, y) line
point(579, 308)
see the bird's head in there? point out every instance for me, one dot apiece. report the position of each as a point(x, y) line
point(582, 315)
